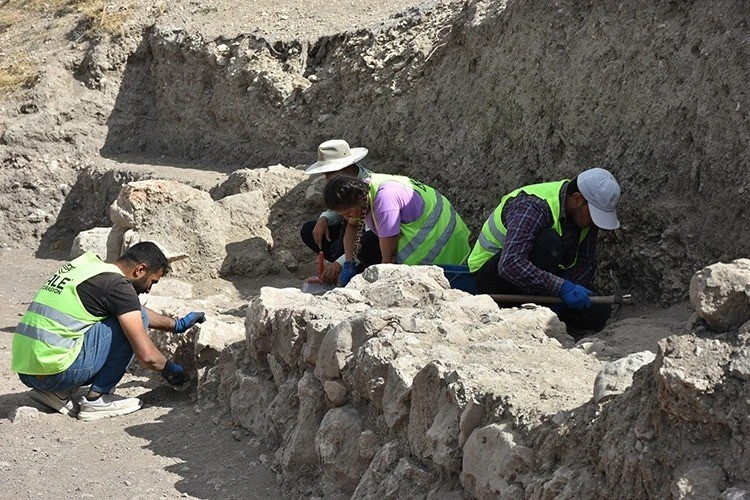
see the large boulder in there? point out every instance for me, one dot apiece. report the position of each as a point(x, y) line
point(494, 461)
point(226, 237)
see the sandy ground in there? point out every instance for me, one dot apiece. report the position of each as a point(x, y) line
point(172, 448)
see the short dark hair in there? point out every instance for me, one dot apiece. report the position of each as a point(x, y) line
point(573, 187)
point(146, 252)
point(344, 192)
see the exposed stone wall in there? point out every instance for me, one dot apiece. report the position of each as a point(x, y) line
point(398, 387)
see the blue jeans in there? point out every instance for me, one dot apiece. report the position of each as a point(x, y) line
point(104, 357)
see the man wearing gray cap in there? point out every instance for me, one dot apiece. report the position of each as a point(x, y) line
point(335, 157)
point(541, 240)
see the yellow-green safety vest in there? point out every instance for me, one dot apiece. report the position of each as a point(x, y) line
point(492, 237)
point(438, 236)
point(50, 334)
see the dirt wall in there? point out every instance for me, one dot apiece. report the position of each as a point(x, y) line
point(478, 98)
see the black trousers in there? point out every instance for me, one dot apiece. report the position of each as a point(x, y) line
point(546, 254)
point(369, 252)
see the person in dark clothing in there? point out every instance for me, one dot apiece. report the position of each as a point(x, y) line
point(541, 240)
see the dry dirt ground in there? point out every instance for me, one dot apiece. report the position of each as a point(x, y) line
point(172, 448)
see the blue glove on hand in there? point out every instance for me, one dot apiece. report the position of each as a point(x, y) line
point(181, 325)
point(575, 296)
point(347, 272)
point(174, 373)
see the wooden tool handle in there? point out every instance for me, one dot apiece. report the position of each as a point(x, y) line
point(547, 299)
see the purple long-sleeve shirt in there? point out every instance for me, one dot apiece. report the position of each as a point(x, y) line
point(524, 217)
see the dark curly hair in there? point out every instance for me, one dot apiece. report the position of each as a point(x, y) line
point(343, 192)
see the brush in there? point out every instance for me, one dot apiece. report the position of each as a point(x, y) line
point(314, 284)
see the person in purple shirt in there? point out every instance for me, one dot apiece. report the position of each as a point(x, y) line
point(415, 224)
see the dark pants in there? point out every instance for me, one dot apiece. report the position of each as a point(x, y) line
point(546, 254)
point(369, 252)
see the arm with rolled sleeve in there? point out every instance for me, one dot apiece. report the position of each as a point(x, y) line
point(332, 217)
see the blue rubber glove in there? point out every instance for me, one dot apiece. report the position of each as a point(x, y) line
point(347, 272)
point(575, 296)
point(181, 325)
point(174, 373)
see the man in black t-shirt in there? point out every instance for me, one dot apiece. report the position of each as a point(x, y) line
point(84, 327)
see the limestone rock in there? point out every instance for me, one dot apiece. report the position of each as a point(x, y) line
point(177, 216)
point(212, 336)
point(493, 460)
point(173, 287)
point(300, 450)
point(283, 410)
point(689, 375)
point(617, 376)
point(397, 389)
point(92, 240)
point(392, 285)
point(250, 401)
point(335, 392)
point(23, 414)
point(720, 294)
point(390, 475)
point(274, 182)
point(337, 445)
point(434, 418)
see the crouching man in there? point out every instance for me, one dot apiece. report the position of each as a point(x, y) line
point(83, 328)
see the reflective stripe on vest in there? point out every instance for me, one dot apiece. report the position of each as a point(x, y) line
point(442, 241)
point(64, 319)
point(424, 231)
point(439, 235)
point(499, 236)
point(45, 336)
point(50, 333)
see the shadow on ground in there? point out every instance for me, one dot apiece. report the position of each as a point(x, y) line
point(214, 458)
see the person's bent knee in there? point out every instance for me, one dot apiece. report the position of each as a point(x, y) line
point(306, 235)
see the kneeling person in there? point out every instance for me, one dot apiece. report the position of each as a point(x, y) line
point(415, 224)
point(335, 158)
point(83, 328)
point(542, 238)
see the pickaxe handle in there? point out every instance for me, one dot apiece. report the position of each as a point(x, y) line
point(548, 299)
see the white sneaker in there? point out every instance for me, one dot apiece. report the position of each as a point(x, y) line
point(108, 405)
point(61, 403)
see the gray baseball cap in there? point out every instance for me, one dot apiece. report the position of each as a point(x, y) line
point(602, 192)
